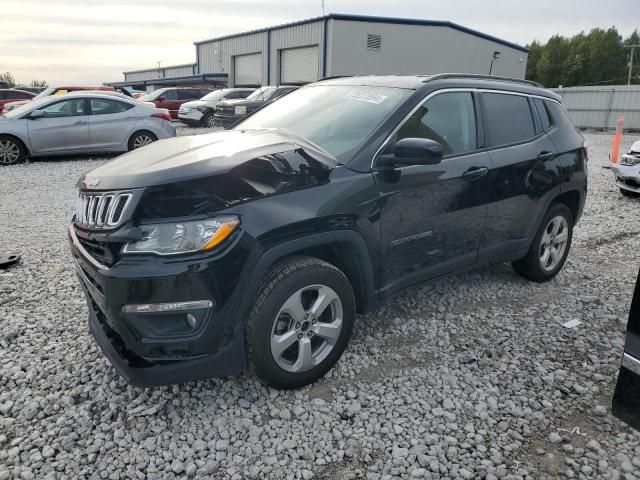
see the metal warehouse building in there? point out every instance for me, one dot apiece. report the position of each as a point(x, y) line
point(337, 44)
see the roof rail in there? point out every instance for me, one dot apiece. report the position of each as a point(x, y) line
point(479, 76)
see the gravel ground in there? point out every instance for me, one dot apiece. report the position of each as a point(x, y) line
point(469, 377)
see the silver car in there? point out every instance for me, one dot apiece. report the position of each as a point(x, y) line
point(200, 112)
point(80, 122)
point(627, 172)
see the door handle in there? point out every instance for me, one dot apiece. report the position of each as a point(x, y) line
point(79, 122)
point(546, 155)
point(475, 173)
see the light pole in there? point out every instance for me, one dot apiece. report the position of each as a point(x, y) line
point(632, 47)
point(496, 55)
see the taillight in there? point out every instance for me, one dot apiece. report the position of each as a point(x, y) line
point(162, 115)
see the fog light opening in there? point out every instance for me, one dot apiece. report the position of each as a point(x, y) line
point(192, 321)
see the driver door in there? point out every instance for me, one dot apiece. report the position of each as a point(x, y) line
point(432, 216)
point(63, 127)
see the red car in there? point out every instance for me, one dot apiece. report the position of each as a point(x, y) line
point(10, 105)
point(8, 95)
point(172, 98)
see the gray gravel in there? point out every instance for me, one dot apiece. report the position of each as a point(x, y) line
point(469, 377)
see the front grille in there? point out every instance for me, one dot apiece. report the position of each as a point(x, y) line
point(101, 210)
point(104, 252)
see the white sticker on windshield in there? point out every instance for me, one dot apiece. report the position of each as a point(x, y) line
point(366, 97)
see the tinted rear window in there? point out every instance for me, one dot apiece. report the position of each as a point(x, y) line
point(509, 118)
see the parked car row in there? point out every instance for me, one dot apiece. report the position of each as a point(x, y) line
point(80, 122)
point(8, 106)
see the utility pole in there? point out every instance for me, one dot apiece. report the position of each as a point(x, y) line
point(632, 47)
point(323, 8)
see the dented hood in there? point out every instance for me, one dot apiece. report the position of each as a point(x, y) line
point(181, 159)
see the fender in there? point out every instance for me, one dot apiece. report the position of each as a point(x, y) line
point(270, 256)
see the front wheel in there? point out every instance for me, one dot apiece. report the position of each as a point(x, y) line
point(141, 139)
point(550, 246)
point(301, 322)
point(11, 150)
point(208, 120)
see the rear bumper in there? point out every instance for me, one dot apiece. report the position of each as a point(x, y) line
point(151, 348)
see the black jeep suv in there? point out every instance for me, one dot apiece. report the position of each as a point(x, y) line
point(257, 245)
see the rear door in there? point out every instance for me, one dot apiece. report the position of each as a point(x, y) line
point(64, 127)
point(171, 102)
point(520, 174)
point(432, 216)
point(626, 399)
point(111, 122)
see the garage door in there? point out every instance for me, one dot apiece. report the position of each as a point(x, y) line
point(298, 65)
point(247, 70)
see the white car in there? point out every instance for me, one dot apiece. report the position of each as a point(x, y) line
point(200, 112)
point(80, 122)
point(627, 172)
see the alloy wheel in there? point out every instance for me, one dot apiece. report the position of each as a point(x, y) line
point(141, 141)
point(9, 152)
point(211, 121)
point(554, 242)
point(306, 328)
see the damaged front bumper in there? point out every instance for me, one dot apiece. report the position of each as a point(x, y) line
point(627, 176)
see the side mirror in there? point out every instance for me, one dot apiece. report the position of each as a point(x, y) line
point(36, 114)
point(413, 151)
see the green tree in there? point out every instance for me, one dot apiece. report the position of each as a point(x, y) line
point(535, 52)
point(39, 83)
point(550, 67)
point(8, 77)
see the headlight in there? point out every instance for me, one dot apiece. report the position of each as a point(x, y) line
point(183, 237)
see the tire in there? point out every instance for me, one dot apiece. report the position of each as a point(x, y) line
point(141, 139)
point(629, 193)
point(208, 121)
point(285, 348)
point(541, 264)
point(12, 150)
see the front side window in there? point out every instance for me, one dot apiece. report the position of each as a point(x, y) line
point(65, 108)
point(101, 106)
point(189, 94)
point(447, 118)
point(263, 93)
point(509, 118)
point(18, 95)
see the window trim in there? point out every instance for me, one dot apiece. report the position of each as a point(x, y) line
point(476, 91)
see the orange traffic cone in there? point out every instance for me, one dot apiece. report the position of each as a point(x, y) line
point(617, 139)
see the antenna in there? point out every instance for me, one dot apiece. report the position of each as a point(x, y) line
point(323, 8)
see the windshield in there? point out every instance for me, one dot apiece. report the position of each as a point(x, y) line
point(264, 93)
point(149, 97)
point(45, 93)
point(214, 96)
point(339, 119)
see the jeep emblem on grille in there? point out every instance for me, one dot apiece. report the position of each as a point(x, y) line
point(93, 182)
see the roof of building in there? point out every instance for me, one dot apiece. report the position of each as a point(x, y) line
point(374, 19)
point(160, 68)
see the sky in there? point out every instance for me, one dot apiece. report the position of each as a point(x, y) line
point(94, 41)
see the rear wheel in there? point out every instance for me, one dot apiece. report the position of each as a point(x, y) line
point(301, 322)
point(208, 120)
point(11, 150)
point(141, 139)
point(550, 247)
